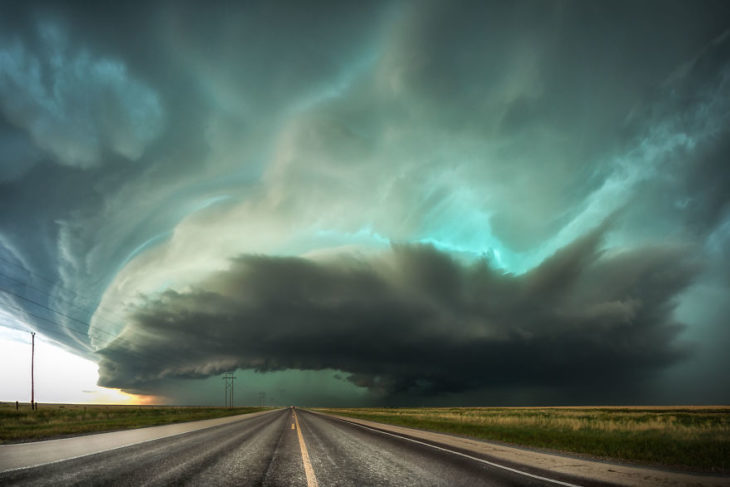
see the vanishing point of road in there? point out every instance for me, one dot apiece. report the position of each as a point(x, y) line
point(285, 447)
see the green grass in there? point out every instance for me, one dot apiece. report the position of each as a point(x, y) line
point(690, 438)
point(57, 420)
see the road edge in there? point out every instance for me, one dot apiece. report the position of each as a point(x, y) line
point(568, 468)
point(15, 456)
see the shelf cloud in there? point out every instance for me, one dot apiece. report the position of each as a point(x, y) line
point(429, 201)
point(414, 320)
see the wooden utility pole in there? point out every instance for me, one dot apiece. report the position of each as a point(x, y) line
point(32, 371)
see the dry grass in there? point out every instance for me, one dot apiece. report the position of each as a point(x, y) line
point(58, 420)
point(696, 437)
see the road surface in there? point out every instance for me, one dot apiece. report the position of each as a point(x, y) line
point(285, 447)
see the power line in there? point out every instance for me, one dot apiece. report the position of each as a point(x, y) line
point(47, 308)
point(64, 299)
point(173, 359)
point(228, 389)
point(67, 327)
point(167, 356)
point(43, 277)
point(50, 331)
point(84, 334)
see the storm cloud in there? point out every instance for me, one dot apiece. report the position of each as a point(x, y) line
point(415, 320)
point(404, 193)
point(74, 104)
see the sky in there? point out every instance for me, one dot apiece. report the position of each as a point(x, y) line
point(366, 203)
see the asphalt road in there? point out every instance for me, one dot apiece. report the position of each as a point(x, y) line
point(282, 448)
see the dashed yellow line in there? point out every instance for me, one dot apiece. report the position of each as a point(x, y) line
point(292, 426)
point(308, 470)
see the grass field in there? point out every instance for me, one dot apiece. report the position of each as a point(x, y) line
point(692, 438)
point(57, 420)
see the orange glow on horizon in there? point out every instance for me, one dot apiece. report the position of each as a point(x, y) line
point(104, 395)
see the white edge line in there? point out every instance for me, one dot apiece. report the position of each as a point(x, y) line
point(2, 472)
point(514, 470)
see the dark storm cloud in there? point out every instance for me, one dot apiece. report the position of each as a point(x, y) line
point(169, 87)
point(416, 320)
point(494, 128)
point(565, 84)
point(690, 200)
point(110, 110)
point(74, 104)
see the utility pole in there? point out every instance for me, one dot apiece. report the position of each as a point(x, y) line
point(32, 371)
point(228, 390)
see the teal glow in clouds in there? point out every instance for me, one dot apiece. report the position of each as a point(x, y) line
point(389, 199)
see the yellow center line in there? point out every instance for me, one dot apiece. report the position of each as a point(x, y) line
point(292, 426)
point(308, 470)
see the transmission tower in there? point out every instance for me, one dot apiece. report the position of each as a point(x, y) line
point(228, 390)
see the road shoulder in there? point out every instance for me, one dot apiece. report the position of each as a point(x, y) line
point(579, 469)
point(32, 454)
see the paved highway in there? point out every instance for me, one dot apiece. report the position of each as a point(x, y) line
point(282, 448)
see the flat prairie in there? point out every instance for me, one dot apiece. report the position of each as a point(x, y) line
point(695, 438)
point(59, 420)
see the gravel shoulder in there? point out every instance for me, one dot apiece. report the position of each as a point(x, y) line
point(590, 471)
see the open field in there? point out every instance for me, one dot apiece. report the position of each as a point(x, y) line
point(693, 438)
point(56, 420)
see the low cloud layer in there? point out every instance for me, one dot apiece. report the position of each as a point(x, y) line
point(414, 320)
